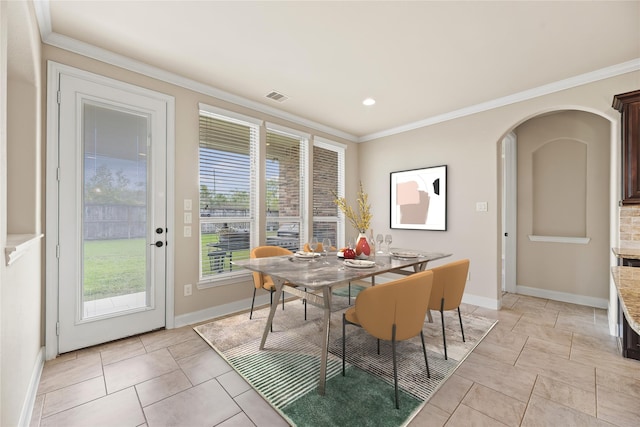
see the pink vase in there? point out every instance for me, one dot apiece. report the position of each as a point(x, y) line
point(363, 250)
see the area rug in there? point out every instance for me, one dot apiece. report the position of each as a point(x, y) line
point(286, 372)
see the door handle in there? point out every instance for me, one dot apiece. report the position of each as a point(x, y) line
point(159, 244)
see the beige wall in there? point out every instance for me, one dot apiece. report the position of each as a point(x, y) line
point(577, 160)
point(186, 179)
point(21, 301)
point(470, 147)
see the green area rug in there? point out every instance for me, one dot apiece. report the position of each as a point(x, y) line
point(286, 372)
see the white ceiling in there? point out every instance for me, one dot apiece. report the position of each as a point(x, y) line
point(421, 61)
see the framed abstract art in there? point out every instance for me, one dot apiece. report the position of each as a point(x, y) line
point(419, 199)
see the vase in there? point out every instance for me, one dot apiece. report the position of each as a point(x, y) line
point(363, 250)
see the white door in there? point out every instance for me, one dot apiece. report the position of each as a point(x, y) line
point(509, 212)
point(111, 212)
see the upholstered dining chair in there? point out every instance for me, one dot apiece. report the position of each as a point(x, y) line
point(393, 311)
point(449, 281)
point(263, 281)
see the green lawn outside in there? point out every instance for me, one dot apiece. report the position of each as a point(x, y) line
point(114, 267)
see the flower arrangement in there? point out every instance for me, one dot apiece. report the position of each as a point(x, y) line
point(360, 219)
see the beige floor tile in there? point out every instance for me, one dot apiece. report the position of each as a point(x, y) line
point(544, 412)
point(203, 366)
point(238, 420)
point(118, 409)
point(542, 317)
point(429, 416)
point(599, 342)
point(206, 404)
point(622, 383)
point(483, 399)
point(465, 416)
point(162, 387)
point(122, 349)
point(561, 350)
point(74, 395)
point(167, 337)
point(567, 371)
point(527, 304)
point(607, 361)
point(189, 348)
point(527, 327)
point(508, 300)
point(501, 354)
point(233, 383)
point(506, 316)
point(498, 376)
point(564, 394)
point(129, 372)
point(621, 409)
point(63, 374)
point(37, 411)
point(451, 393)
point(258, 410)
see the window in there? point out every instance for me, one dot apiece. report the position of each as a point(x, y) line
point(286, 156)
point(253, 190)
point(227, 188)
point(328, 182)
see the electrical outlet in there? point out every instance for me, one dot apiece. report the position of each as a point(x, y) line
point(188, 290)
point(187, 217)
point(481, 207)
point(187, 231)
point(187, 204)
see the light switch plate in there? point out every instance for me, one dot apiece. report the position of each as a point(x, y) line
point(187, 231)
point(481, 207)
point(187, 204)
point(187, 217)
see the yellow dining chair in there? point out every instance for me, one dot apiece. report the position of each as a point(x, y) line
point(449, 281)
point(393, 311)
point(264, 281)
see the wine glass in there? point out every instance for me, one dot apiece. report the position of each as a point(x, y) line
point(326, 245)
point(313, 246)
point(388, 239)
point(379, 241)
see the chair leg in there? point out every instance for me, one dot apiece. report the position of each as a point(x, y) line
point(349, 293)
point(444, 338)
point(395, 363)
point(378, 346)
point(424, 350)
point(344, 322)
point(270, 304)
point(304, 301)
point(252, 301)
point(461, 328)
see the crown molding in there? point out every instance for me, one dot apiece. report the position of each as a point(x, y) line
point(63, 42)
point(604, 73)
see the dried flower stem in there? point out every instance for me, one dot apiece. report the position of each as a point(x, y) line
point(360, 220)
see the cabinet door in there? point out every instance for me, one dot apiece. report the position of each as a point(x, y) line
point(629, 106)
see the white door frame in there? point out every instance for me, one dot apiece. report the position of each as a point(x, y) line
point(509, 212)
point(54, 70)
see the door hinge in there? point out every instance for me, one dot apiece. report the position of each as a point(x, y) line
point(58, 251)
point(58, 329)
point(59, 96)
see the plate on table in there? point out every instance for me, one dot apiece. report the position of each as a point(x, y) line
point(404, 254)
point(359, 263)
point(306, 255)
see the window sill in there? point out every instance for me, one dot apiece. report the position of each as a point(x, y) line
point(560, 239)
point(18, 244)
point(231, 279)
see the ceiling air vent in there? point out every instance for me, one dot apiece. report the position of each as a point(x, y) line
point(277, 96)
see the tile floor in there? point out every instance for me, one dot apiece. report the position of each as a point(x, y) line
point(545, 363)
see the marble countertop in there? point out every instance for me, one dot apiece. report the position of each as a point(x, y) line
point(626, 253)
point(627, 280)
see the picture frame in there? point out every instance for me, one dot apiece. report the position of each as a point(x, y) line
point(419, 199)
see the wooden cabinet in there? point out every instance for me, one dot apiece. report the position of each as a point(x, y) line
point(629, 106)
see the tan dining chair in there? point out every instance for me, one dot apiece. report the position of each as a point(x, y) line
point(264, 281)
point(393, 311)
point(449, 281)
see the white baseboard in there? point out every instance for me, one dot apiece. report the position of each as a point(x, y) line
point(32, 390)
point(484, 302)
point(563, 296)
point(219, 310)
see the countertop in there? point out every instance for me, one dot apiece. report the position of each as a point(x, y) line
point(626, 253)
point(627, 280)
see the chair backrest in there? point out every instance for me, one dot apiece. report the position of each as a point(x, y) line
point(259, 279)
point(402, 302)
point(449, 281)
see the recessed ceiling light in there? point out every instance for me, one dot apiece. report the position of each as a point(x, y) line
point(369, 101)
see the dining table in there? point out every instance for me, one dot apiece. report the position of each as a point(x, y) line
point(313, 277)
